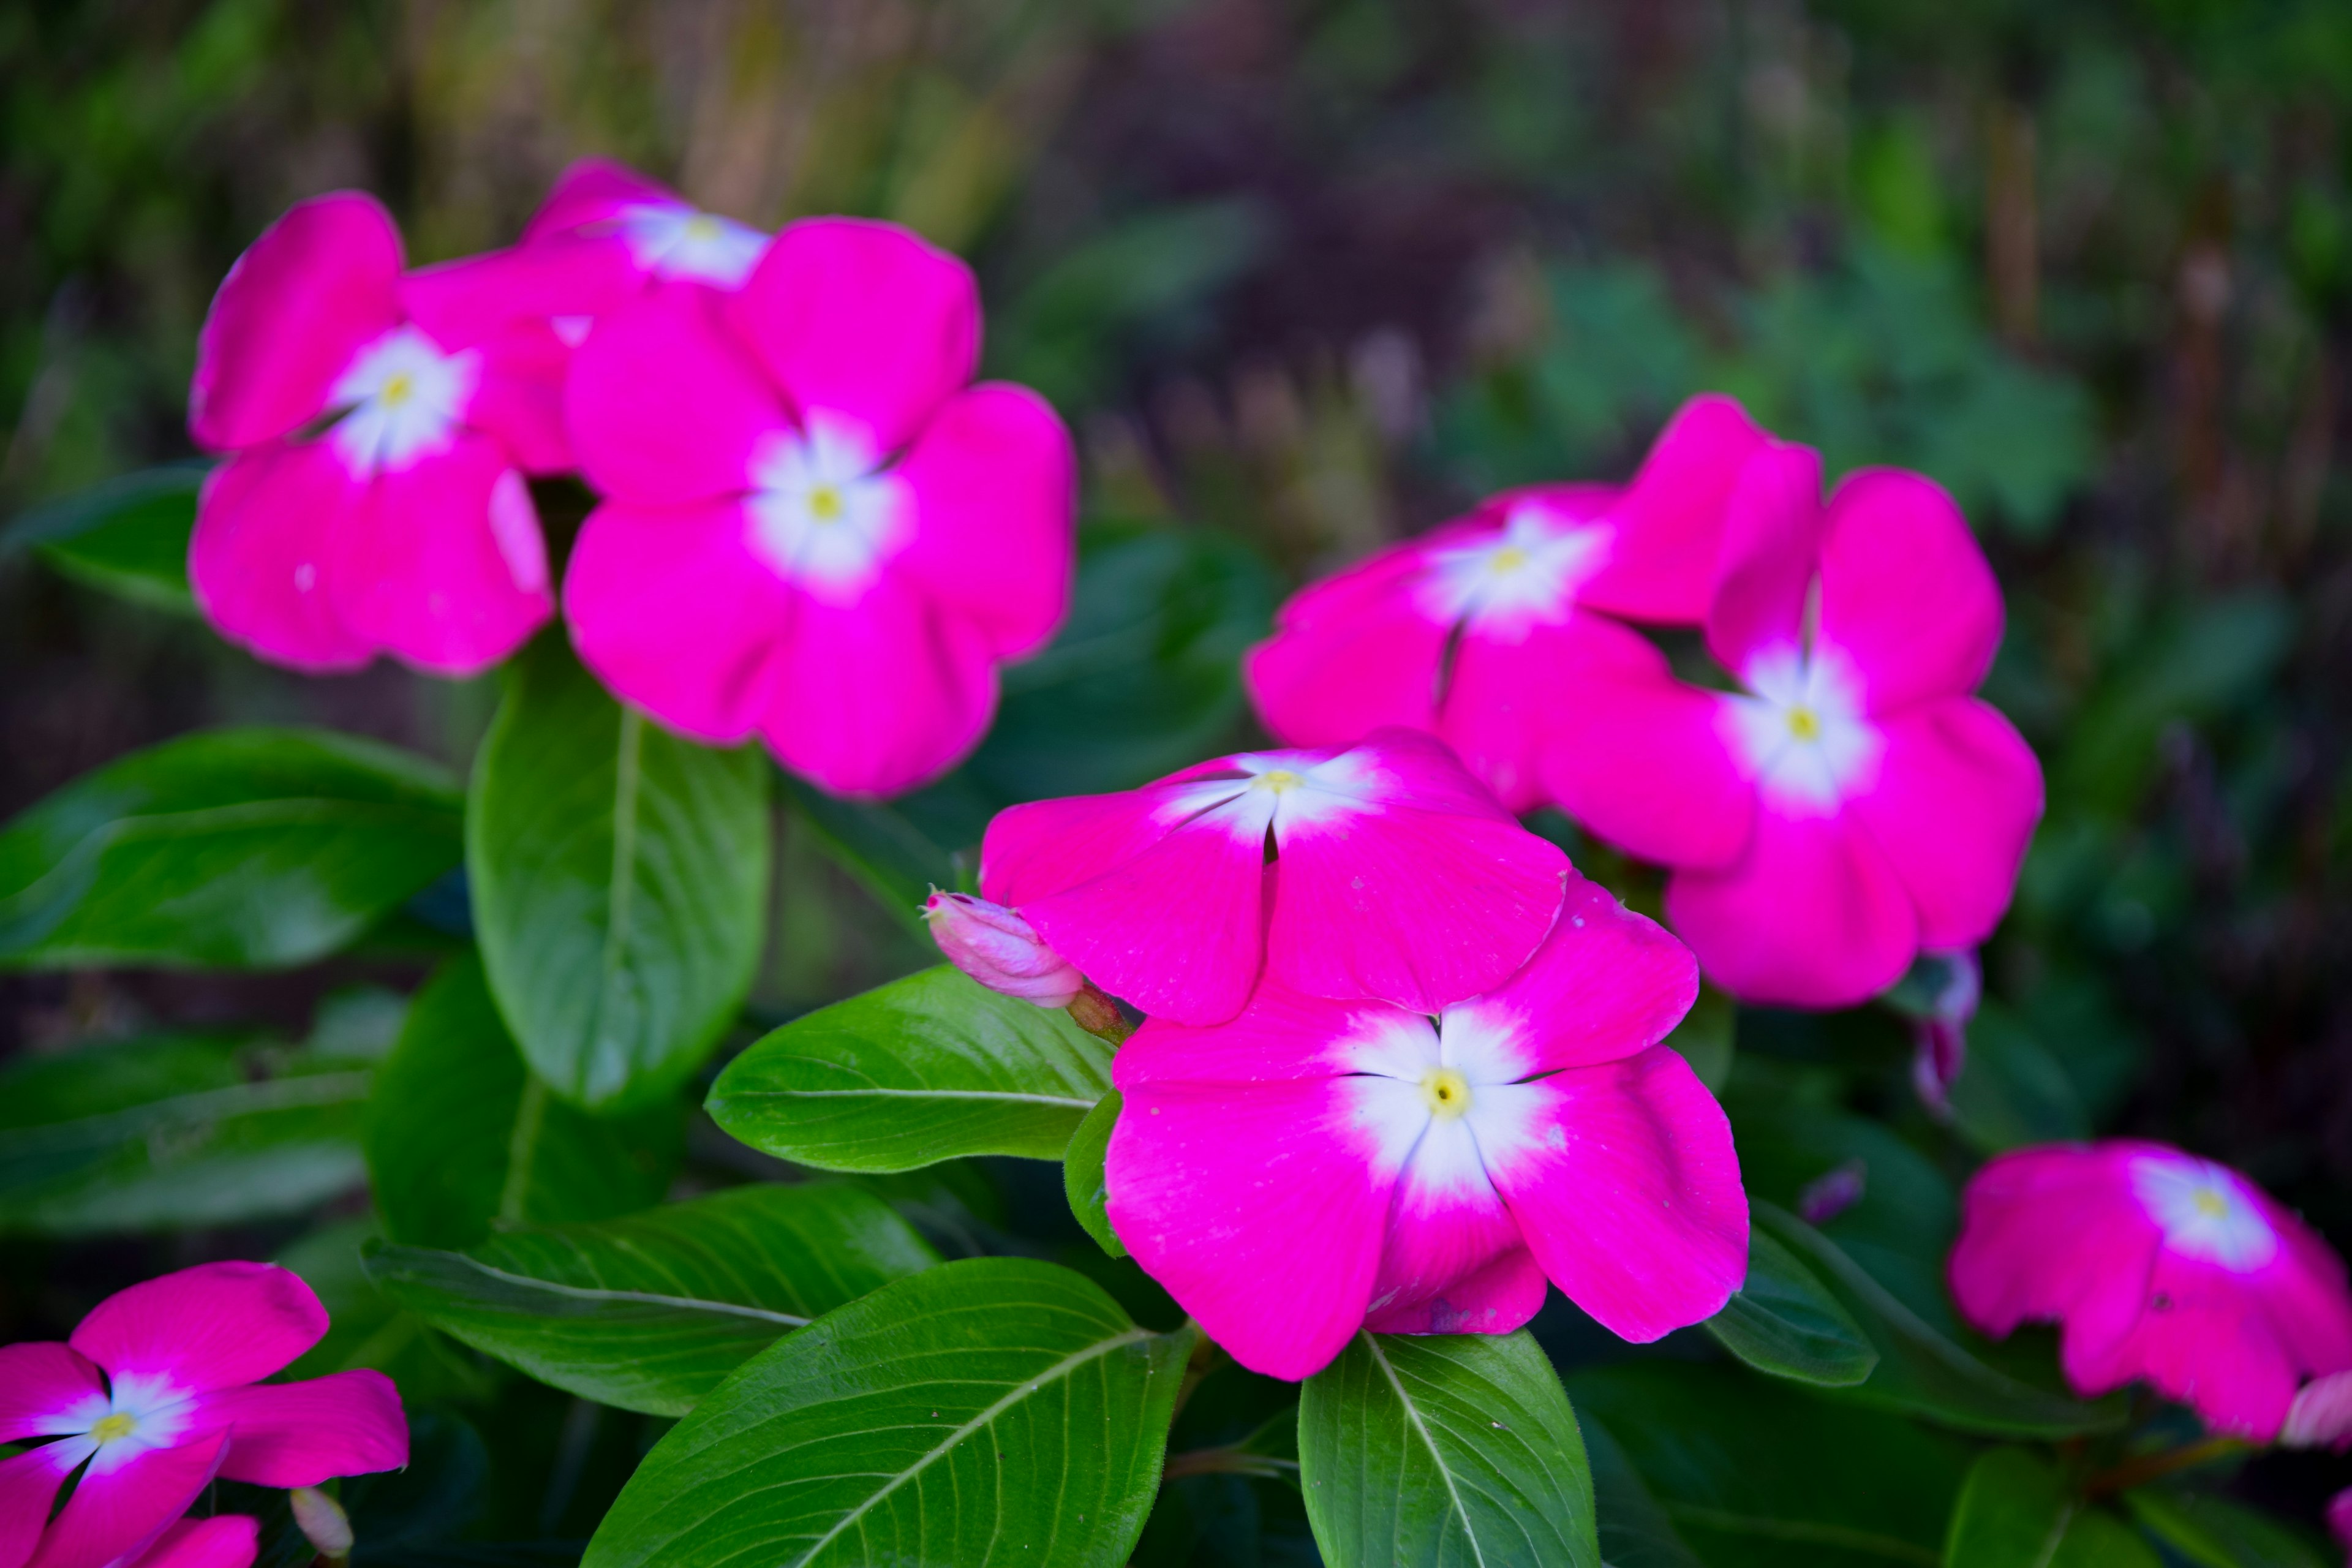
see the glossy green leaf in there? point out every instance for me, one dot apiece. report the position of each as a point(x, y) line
point(1444, 1449)
point(1082, 1172)
point(460, 1135)
point(651, 1310)
point(620, 878)
point(232, 848)
point(1634, 1529)
point(1921, 1371)
point(1783, 1321)
point(1754, 1472)
point(2215, 1533)
point(2015, 1512)
point(127, 535)
point(994, 1411)
point(146, 1133)
point(921, 1069)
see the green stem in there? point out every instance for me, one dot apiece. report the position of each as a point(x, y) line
point(2146, 1468)
point(1227, 1462)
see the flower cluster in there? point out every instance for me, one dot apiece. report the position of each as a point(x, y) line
point(814, 531)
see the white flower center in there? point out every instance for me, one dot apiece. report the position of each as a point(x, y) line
point(1802, 735)
point(404, 399)
point(1526, 575)
point(702, 248)
point(2204, 1212)
point(138, 1415)
point(1281, 793)
point(821, 515)
point(1444, 1107)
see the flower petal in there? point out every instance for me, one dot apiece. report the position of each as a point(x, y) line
point(1669, 522)
point(1957, 797)
point(265, 523)
point(1905, 591)
point(1606, 983)
point(863, 320)
point(1638, 759)
point(994, 482)
point(593, 191)
point(28, 1486)
point(1812, 915)
point(213, 1326)
point(2046, 1234)
point(664, 405)
point(319, 284)
point(520, 400)
point(1495, 1299)
point(1446, 1228)
point(117, 1509)
point(1627, 1189)
point(442, 562)
point(1282, 1034)
point(1349, 655)
point(300, 1434)
point(42, 1383)
point(1504, 698)
point(1771, 536)
point(223, 1541)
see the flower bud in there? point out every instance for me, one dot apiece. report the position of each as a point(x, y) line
point(322, 1520)
point(998, 948)
point(2321, 1415)
point(1940, 996)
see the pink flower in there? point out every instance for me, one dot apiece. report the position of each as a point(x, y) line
point(816, 533)
point(1852, 805)
point(2321, 1415)
point(996, 947)
point(607, 232)
point(2157, 1265)
point(223, 1541)
point(1383, 871)
point(1476, 632)
point(1315, 1167)
point(380, 425)
point(157, 1391)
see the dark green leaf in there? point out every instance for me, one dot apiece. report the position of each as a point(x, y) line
point(1922, 1373)
point(2214, 1533)
point(2011, 1091)
point(650, 1311)
point(366, 1328)
point(620, 880)
point(460, 1135)
point(2014, 1511)
point(1082, 1172)
point(881, 845)
point(992, 1411)
point(128, 536)
point(1634, 1529)
point(923, 1069)
point(1706, 1035)
point(149, 1133)
point(1444, 1449)
point(1783, 1321)
point(236, 848)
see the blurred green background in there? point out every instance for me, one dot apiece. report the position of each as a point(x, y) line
point(1306, 278)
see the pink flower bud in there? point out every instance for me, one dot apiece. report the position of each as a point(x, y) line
point(322, 1520)
point(996, 947)
point(2321, 1415)
point(2339, 1520)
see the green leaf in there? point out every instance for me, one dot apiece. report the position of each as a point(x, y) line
point(1784, 1323)
point(2214, 1533)
point(366, 1328)
point(650, 1311)
point(147, 1134)
point(2014, 1511)
point(128, 536)
point(993, 1411)
point(881, 845)
point(921, 1069)
point(1634, 1529)
point(460, 1135)
point(1453, 1449)
point(2011, 1091)
point(1082, 1172)
point(1708, 1035)
point(620, 878)
point(1920, 1372)
point(235, 848)
point(1756, 1473)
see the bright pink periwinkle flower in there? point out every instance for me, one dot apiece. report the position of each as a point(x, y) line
point(155, 1394)
point(814, 531)
point(996, 947)
point(2156, 1265)
point(1851, 807)
point(379, 425)
point(1315, 1167)
point(1382, 871)
point(608, 234)
point(1479, 631)
point(222, 1540)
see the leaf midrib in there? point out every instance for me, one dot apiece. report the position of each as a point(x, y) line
point(1421, 1429)
point(647, 1298)
point(292, 1092)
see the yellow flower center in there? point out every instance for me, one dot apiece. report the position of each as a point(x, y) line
point(399, 389)
point(1804, 724)
point(825, 503)
point(702, 228)
point(1446, 1091)
point(110, 1427)
point(1509, 559)
point(1279, 780)
point(2211, 1203)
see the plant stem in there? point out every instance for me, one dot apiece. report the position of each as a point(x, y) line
point(1227, 1462)
point(2146, 1467)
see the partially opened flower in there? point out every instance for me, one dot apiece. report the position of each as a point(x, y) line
point(816, 533)
point(1315, 1167)
point(1852, 805)
point(157, 1393)
point(2156, 1265)
point(1479, 631)
point(379, 425)
point(1382, 870)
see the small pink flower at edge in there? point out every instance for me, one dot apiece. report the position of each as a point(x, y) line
point(1854, 804)
point(1469, 632)
point(2339, 1520)
point(996, 947)
point(157, 1393)
point(1316, 1167)
point(1394, 875)
point(814, 531)
point(378, 426)
point(2157, 1265)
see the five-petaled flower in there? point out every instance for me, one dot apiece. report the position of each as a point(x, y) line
point(155, 1394)
point(1382, 870)
point(2157, 1265)
point(1314, 1167)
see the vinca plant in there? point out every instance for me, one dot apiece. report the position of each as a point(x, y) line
point(1326, 1150)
